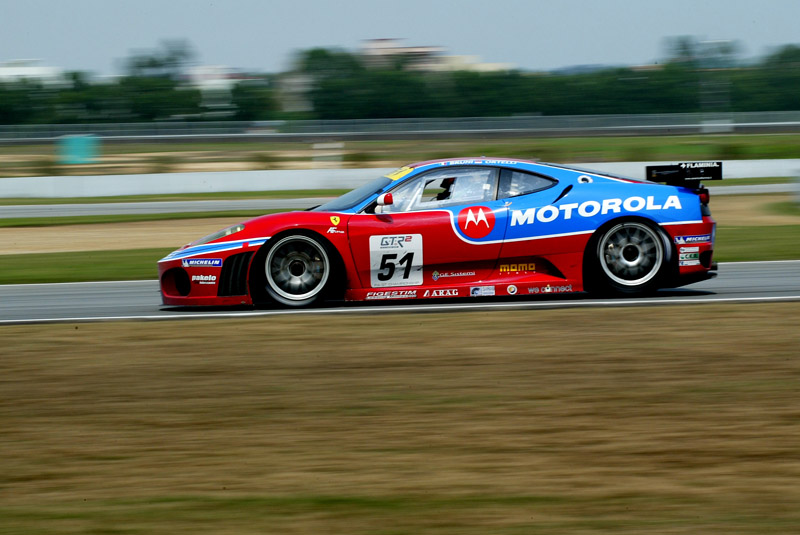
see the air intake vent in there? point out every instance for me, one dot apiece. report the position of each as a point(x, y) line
point(233, 279)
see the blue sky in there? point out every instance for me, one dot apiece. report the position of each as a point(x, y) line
point(263, 35)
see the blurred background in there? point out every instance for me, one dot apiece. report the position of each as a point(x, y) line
point(266, 69)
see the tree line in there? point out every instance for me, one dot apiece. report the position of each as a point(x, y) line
point(341, 86)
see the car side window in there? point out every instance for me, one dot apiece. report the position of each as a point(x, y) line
point(513, 183)
point(445, 187)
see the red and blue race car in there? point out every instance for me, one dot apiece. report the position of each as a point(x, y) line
point(462, 228)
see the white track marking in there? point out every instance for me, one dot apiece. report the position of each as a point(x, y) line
point(460, 307)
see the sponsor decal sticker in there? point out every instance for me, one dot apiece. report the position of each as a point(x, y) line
point(204, 279)
point(392, 294)
point(512, 290)
point(689, 262)
point(690, 249)
point(201, 262)
point(476, 221)
point(550, 289)
point(395, 260)
point(684, 240)
point(334, 230)
point(472, 162)
point(448, 274)
point(479, 291)
point(549, 213)
point(689, 256)
point(696, 165)
point(335, 220)
point(517, 268)
point(450, 292)
point(392, 242)
point(399, 173)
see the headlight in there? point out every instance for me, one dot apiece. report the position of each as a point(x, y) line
point(219, 234)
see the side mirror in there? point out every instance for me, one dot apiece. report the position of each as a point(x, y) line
point(384, 199)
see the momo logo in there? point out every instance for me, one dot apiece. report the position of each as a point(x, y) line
point(516, 268)
point(476, 221)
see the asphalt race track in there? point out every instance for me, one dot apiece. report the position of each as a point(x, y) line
point(739, 282)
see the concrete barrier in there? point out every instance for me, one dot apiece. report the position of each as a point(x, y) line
point(169, 183)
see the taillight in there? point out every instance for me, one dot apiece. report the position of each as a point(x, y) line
point(705, 196)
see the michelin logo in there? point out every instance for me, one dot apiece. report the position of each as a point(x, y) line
point(201, 262)
point(549, 213)
point(684, 240)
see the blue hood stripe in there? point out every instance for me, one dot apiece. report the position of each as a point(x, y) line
point(213, 248)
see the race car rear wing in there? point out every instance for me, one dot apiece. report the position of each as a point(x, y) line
point(684, 174)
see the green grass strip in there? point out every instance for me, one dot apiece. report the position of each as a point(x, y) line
point(134, 264)
point(786, 208)
point(749, 181)
point(741, 244)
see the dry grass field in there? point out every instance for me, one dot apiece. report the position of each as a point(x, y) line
point(675, 420)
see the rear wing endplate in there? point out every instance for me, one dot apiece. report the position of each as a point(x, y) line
point(684, 174)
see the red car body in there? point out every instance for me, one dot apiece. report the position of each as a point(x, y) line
point(574, 230)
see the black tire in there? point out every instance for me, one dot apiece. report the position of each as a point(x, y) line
point(297, 269)
point(627, 258)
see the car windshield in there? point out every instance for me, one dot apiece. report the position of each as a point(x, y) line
point(355, 197)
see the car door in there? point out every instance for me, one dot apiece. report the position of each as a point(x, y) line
point(445, 227)
point(534, 208)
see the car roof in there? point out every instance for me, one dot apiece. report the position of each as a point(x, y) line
point(520, 163)
point(476, 160)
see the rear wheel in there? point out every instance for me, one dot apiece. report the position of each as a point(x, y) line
point(630, 258)
point(297, 270)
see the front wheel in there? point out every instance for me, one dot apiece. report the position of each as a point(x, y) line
point(295, 271)
point(630, 258)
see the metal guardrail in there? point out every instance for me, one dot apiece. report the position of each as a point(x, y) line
point(535, 124)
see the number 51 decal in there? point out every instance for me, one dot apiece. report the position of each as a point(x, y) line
point(395, 260)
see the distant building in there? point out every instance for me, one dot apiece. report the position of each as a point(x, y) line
point(389, 52)
point(293, 92)
point(216, 83)
point(212, 77)
point(31, 70)
point(294, 87)
point(471, 63)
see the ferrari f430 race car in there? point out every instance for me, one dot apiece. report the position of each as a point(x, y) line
point(462, 228)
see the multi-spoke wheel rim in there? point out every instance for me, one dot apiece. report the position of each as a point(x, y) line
point(297, 268)
point(631, 254)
